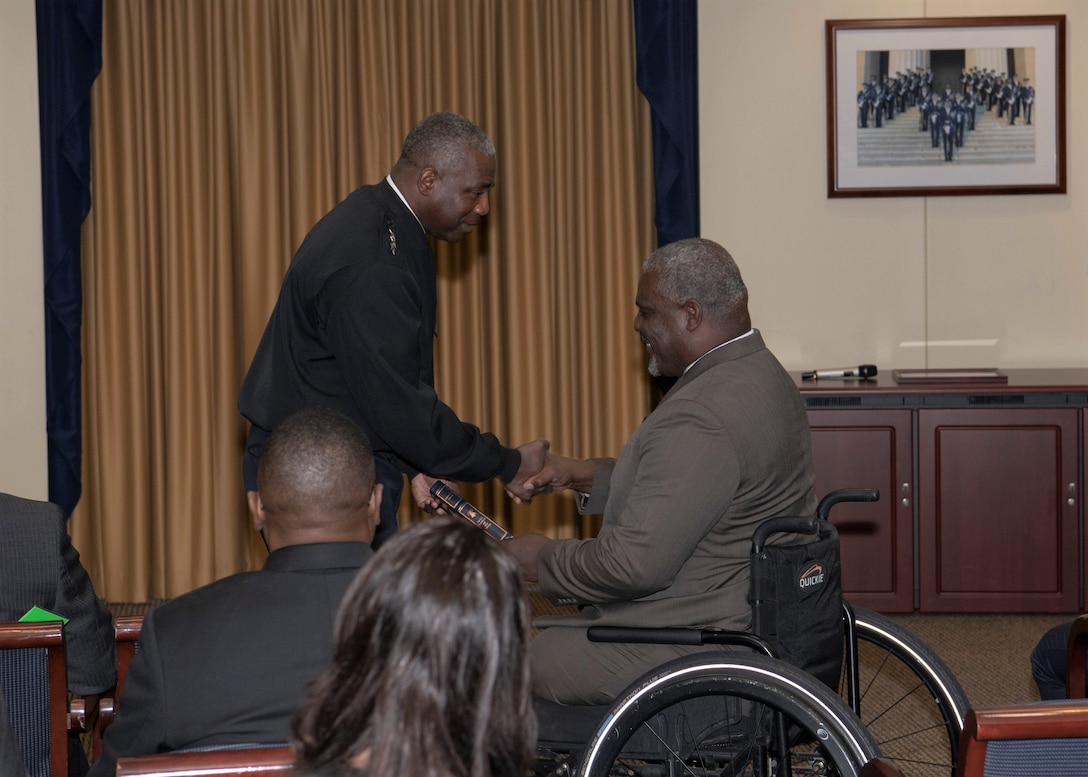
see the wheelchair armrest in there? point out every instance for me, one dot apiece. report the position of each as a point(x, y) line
point(679, 636)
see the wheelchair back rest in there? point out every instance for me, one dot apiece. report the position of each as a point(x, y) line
point(796, 599)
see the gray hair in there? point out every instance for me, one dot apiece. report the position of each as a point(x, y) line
point(701, 270)
point(440, 141)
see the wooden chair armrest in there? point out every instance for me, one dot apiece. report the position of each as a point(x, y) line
point(77, 715)
point(106, 713)
point(248, 762)
point(1029, 721)
point(1020, 721)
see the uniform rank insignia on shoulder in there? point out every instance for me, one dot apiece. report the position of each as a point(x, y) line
point(392, 237)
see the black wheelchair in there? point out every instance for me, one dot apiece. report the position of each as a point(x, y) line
point(816, 688)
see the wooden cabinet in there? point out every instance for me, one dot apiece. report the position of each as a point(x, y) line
point(870, 449)
point(995, 527)
point(980, 488)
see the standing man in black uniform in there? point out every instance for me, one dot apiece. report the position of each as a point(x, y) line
point(1027, 99)
point(354, 324)
point(948, 129)
point(933, 113)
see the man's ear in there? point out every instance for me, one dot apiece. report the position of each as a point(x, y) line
point(374, 506)
point(256, 509)
point(694, 312)
point(428, 181)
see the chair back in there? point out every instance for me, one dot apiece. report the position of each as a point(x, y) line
point(126, 632)
point(1049, 737)
point(239, 762)
point(34, 681)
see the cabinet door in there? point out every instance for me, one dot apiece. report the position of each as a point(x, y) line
point(996, 530)
point(870, 448)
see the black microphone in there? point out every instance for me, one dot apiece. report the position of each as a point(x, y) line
point(861, 371)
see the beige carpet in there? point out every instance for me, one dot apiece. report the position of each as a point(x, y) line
point(988, 654)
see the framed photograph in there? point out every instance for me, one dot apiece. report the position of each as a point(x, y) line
point(965, 106)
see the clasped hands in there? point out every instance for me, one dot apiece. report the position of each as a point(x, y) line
point(541, 472)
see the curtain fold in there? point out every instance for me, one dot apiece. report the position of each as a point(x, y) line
point(69, 34)
point(224, 130)
point(668, 74)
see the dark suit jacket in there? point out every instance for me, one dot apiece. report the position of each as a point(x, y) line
point(353, 329)
point(228, 663)
point(39, 566)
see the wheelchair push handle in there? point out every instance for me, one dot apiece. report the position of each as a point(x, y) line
point(845, 495)
point(810, 525)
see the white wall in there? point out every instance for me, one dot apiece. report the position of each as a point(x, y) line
point(22, 321)
point(847, 281)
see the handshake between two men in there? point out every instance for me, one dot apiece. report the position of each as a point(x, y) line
point(541, 472)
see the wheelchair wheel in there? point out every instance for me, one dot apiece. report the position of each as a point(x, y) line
point(910, 701)
point(728, 713)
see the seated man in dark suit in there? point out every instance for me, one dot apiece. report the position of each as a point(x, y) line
point(40, 568)
point(227, 664)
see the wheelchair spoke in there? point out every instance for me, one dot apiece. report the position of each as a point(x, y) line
point(718, 716)
point(910, 701)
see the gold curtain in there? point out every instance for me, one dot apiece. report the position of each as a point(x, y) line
point(223, 129)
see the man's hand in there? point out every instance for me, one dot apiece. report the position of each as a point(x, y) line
point(557, 473)
point(526, 550)
point(421, 493)
point(532, 459)
point(561, 472)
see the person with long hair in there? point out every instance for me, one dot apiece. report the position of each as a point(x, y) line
point(430, 673)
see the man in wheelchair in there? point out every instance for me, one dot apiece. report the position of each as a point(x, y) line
point(727, 448)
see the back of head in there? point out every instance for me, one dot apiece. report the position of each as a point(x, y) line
point(440, 140)
point(700, 269)
point(430, 674)
point(315, 476)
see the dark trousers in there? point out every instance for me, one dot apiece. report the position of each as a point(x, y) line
point(393, 481)
point(1048, 662)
